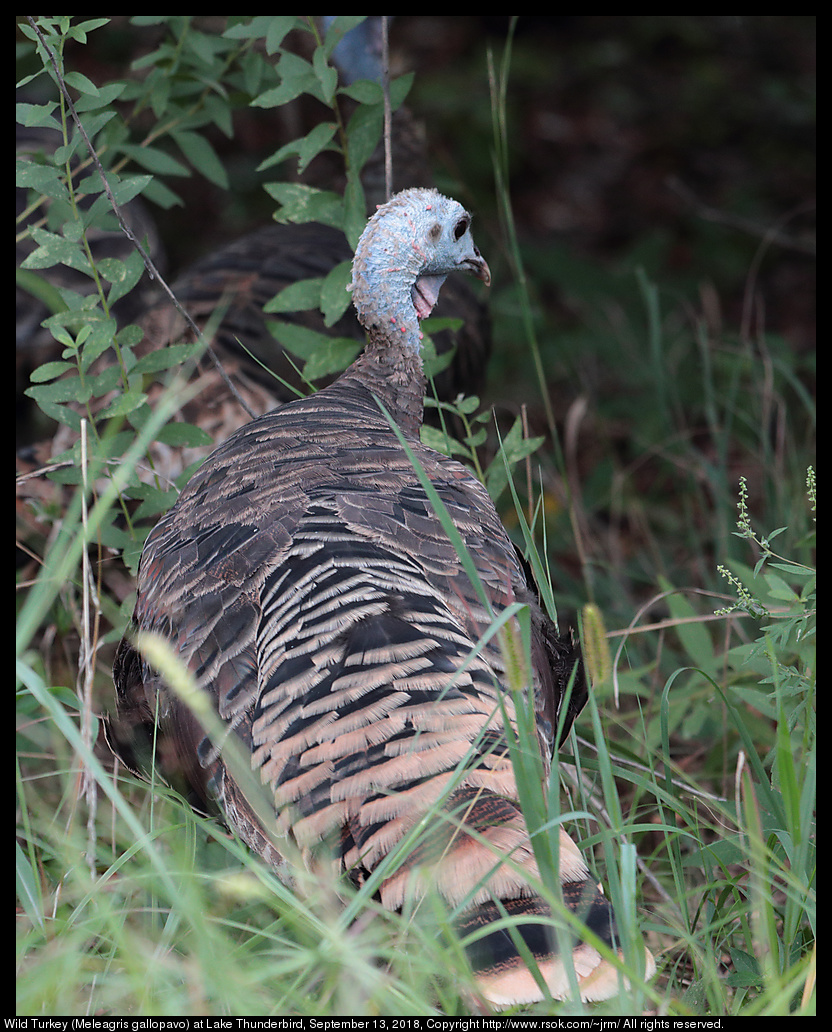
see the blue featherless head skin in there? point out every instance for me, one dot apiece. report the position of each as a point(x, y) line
point(405, 252)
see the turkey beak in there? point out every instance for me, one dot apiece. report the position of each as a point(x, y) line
point(477, 266)
point(483, 272)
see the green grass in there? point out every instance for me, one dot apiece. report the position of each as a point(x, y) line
point(692, 780)
point(147, 908)
point(169, 915)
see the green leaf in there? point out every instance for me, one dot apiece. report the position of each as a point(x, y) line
point(338, 28)
point(364, 91)
point(440, 441)
point(81, 83)
point(133, 269)
point(205, 49)
point(161, 194)
point(37, 115)
point(355, 209)
point(299, 340)
point(126, 189)
point(186, 435)
point(100, 339)
point(83, 332)
point(53, 397)
point(254, 69)
point(296, 77)
point(55, 250)
point(45, 179)
point(335, 298)
point(324, 355)
point(515, 448)
point(399, 89)
point(130, 336)
point(61, 335)
point(307, 148)
point(469, 405)
point(219, 111)
point(327, 76)
point(159, 93)
point(28, 78)
point(279, 27)
point(202, 156)
point(40, 288)
point(157, 506)
point(105, 381)
point(106, 95)
point(80, 30)
point(778, 588)
point(792, 570)
point(77, 310)
point(155, 160)
point(67, 475)
point(28, 888)
point(433, 362)
point(694, 635)
point(49, 371)
point(272, 28)
point(297, 297)
point(335, 355)
point(746, 969)
point(300, 203)
point(165, 358)
point(124, 404)
point(725, 851)
point(111, 269)
point(100, 215)
point(363, 134)
point(73, 231)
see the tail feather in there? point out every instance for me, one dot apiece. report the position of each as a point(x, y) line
point(501, 970)
point(481, 858)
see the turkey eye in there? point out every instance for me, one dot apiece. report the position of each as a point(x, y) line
point(460, 228)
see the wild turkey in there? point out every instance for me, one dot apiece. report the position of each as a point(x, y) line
point(307, 582)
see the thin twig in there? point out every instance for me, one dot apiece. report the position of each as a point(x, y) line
point(769, 234)
point(388, 115)
point(635, 765)
point(631, 627)
point(676, 621)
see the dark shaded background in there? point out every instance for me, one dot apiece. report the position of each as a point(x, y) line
point(626, 133)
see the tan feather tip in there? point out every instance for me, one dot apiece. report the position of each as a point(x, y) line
point(597, 979)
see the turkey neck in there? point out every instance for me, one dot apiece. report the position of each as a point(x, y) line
point(386, 269)
point(394, 374)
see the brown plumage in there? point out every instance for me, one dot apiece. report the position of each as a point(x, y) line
point(307, 582)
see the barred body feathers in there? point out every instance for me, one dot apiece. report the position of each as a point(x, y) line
point(310, 587)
